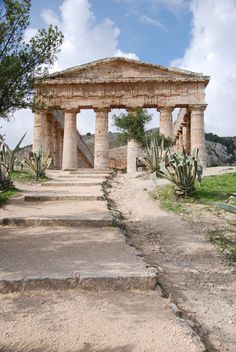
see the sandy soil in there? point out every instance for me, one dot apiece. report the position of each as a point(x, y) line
point(200, 280)
point(83, 321)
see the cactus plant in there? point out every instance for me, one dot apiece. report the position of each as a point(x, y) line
point(37, 164)
point(181, 170)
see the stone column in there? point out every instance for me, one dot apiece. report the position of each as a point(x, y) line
point(60, 135)
point(166, 121)
point(54, 142)
point(40, 121)
point(197, 131)
point(69, 161)
point(57, 146)
point(132, 155)
point(184, 134)
point(176, 146)
point(180, 141)
point(101, 147)
point(188, 137)
point(48, 135)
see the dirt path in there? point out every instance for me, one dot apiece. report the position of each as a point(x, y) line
point(110, 316)
point(199, 278)
point(83, 321)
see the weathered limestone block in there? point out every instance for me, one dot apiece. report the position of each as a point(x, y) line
point(197, 131)
point(40, 121)
point(132, 154)
point(101, 147)
point(69, 161)
point(166, 121)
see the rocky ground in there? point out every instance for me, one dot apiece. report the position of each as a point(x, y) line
point(192, 272)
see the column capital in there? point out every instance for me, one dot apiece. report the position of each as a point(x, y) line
point(41, 111)
point(102, 109)
point(165, 108)
point(200, 107)
point(71, 111)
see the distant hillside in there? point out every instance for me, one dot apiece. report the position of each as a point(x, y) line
point(228, 142)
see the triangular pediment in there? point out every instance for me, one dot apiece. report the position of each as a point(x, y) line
point(122, 68)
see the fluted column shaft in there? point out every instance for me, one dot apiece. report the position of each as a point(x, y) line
point(184, 133)
point(61, 134)
point(176, 146)
point(188, 137)
point(69, 161)
point(40, 121)
point(166, 121)
point(198, 132)
point(181, 140)
point(54, 142)
point(48, 135)
point(101, 147)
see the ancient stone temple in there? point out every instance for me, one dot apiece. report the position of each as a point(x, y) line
point(116, 83)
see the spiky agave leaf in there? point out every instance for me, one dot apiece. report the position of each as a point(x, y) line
point(37, 164)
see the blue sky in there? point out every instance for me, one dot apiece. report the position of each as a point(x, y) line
point(155, 32)
point(198, 35)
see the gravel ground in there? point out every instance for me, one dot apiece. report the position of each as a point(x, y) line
point(200, 280)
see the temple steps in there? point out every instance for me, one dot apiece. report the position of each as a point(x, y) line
point(63, 237)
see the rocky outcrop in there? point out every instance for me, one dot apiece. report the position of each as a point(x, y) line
point(217, 154)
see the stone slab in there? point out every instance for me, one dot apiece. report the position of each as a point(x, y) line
point(56, 221)
point(61, 197)
point(62, 257)
point(87, 176)
point(70, 213)
point(91, 172)
point(66, 193)
point(71, 184)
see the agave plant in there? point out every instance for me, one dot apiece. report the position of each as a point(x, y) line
point(37, 164)
point(181, 170)
point(11, 154)
point(155, 154)
point(5, 174)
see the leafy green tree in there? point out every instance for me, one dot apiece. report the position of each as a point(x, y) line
point(22, 62)
point(132, 125)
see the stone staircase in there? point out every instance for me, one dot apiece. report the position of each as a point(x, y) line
point(61, 235)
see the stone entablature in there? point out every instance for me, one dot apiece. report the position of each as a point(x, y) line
point(120, 83)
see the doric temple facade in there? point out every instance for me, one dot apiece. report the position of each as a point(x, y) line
point(116, 83)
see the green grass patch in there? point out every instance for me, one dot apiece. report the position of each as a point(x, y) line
point(20, 176)
point(213, 189)
point(4, 196)
point(227, 245)
point(25, 177)
point(167, 199)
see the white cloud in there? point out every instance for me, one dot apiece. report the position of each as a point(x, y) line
point(85, 41)
point(212, 51)
point(172, 5)
point(150, 21)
